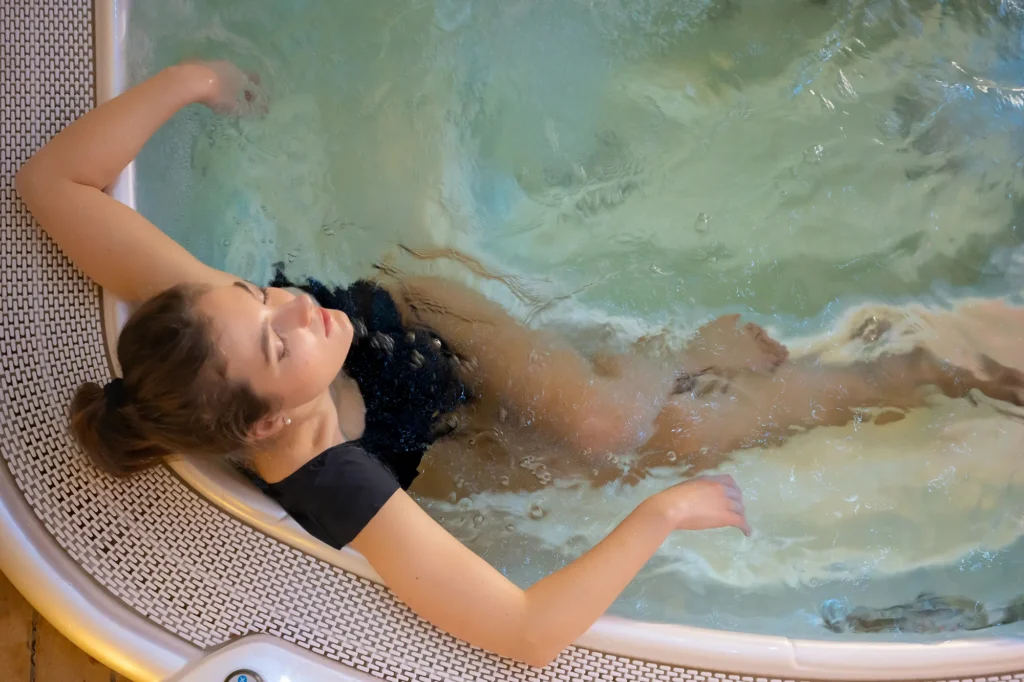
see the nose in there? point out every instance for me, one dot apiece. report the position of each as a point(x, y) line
point(298, 312)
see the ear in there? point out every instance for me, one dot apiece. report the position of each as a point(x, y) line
point(267, 427)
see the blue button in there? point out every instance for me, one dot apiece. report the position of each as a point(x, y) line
point(243, 676)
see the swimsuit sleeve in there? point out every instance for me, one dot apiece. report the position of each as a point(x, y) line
point(334, 496)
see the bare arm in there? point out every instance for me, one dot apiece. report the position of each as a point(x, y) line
point(448, 585)
point(63, 183)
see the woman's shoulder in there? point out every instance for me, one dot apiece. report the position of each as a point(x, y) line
point(335, 494)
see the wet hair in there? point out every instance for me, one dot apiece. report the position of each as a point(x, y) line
point(175, 396)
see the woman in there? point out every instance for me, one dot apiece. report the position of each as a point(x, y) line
point(217, 366)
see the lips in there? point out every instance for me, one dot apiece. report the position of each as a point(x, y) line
point(328, 322)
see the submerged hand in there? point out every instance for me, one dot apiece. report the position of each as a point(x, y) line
point(702, 503)
point(229, 90)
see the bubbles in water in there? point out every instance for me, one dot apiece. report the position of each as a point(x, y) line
point(814, 155)
point(478, 520)
point(536, 512)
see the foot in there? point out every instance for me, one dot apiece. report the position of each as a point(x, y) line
point(726, 348)
point(902, 373)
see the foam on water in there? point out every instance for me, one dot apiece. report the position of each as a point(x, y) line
point(635, 168)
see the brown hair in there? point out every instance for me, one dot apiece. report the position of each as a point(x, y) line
point(175, 396)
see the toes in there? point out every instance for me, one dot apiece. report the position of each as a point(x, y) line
point(777, 351)
point(871, 329)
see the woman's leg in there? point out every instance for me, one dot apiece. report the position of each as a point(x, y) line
point(761, 409)
point(721, 347)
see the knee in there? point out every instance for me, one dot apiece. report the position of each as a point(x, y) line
point(602, 431)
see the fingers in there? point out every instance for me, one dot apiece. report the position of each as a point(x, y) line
point(737, 513)
point(724, 479)
point(729, 486)
point(712, 502)
point(740, 521)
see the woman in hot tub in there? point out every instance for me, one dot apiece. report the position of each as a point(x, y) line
point(333, 395)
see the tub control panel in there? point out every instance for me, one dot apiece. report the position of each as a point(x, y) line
point(262, 658)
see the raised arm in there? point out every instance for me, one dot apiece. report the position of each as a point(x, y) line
point(63, 183)
point(450, 586)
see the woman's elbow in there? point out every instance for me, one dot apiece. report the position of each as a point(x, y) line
point(23, 180)
point(29, 182)
point(534, 653)
point(541, 659)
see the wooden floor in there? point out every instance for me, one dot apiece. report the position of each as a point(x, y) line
point(31, 650)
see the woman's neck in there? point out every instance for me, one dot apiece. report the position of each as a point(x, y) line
point(314, 428)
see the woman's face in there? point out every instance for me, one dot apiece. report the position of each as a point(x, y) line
point(287, 347)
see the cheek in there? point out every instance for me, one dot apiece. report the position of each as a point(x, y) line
point(313, 365)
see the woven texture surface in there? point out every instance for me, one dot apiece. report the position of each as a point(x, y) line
point(151, 541)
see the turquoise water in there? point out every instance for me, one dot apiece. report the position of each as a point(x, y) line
point(637, 166)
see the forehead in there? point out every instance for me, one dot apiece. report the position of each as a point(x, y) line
point(235, 318)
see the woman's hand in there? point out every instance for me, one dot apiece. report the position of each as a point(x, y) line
point(227, 89)
point(703, 503)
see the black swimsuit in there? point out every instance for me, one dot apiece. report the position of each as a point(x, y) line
point(409, 383)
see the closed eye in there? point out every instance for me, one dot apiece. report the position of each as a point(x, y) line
point(284, 344)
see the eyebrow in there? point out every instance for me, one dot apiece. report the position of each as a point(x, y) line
point(265, 331)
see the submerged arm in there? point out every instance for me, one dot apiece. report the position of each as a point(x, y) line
point(63, 183)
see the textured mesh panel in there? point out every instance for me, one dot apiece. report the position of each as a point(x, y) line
point(152, 542)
